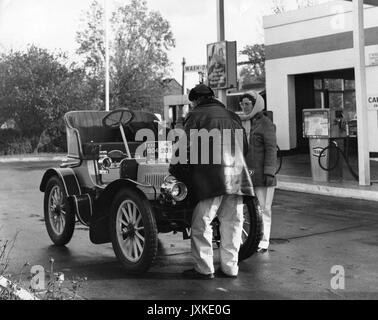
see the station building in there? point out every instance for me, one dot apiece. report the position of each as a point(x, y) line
point(310, 64)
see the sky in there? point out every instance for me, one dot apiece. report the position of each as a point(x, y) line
point(52, 24)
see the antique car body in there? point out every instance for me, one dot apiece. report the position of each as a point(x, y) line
point(122, 194)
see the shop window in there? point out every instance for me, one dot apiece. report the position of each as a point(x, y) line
point(336, 100)
point(341, 94)
point(318, 84)
point(333, 84)
point(349, 85)
point(350, 105)
point(318, 99)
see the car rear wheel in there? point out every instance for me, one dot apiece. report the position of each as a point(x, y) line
point(133, 231)
point(252, 228)
point(59, 218)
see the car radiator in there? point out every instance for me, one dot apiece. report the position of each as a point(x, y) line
point(155, 179)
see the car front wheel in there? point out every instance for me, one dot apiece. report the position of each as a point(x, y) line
point(133, 231)
point(59, 218)
point(252, 228)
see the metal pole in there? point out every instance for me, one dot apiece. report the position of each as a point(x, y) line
point(361, 95)
point(107, 77)
point(222, 95)
point(220, 20)
point(183, 75)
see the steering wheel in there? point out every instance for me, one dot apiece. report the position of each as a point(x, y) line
point(118, 117)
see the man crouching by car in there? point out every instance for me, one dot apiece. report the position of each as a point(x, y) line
point(216, 186)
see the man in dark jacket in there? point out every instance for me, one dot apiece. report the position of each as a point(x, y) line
point(216, 180)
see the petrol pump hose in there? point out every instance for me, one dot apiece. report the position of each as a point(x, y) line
point(333, 144)
point(279, 156)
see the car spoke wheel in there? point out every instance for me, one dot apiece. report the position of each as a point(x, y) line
point(246, 225)
point(252, 228)
point(57, 210)
point(130, 230)
point(59, 218)
point(133, 231)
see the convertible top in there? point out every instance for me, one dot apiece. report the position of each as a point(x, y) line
point(86, 126)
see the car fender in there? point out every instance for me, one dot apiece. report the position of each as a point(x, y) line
point(99, 225)
point(68, 178)
point(81, 204)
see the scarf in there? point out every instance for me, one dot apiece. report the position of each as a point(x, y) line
point(246, 118)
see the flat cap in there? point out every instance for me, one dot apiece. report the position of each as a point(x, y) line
point(200, 90)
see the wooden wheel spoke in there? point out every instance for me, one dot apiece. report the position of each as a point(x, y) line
point(58, 225)
point(129, 247)
point(54, 198)
point(126, 215)
point(139, 236)
point(135, 249)
point(140, 247)
point(130, 212)
point(138, 220)
point(134, 214)
point(123, 222)
point(63, 221)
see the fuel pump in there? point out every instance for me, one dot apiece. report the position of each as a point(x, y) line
point(350, 128)
point(327, 131)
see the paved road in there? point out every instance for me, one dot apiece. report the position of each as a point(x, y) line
point(310, 235)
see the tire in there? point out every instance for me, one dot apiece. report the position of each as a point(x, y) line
point(252, 228)
point(59, 218)
point(133, 231)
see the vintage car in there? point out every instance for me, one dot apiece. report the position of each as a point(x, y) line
point(123, 196)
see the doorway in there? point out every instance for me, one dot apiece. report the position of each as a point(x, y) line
point(328, 89)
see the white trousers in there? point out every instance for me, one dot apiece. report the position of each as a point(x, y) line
point(229, 209)
point(265, 196)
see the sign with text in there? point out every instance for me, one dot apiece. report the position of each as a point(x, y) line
point(198, 68)
point(316, 123)
point(151, 151)
point(221, 65)
point(372, 100)
point(159, 151)
point(165, 150)
point(373, 59)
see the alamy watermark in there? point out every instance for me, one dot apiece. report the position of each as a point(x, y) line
point(338, 280)
point(216, 147)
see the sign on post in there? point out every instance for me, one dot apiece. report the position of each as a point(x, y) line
point(197, 68)
point(372, 101)
point(221, 65)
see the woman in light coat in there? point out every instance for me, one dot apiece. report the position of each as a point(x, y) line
point(261, 158)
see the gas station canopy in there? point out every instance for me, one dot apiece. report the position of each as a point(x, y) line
point(371, 2)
